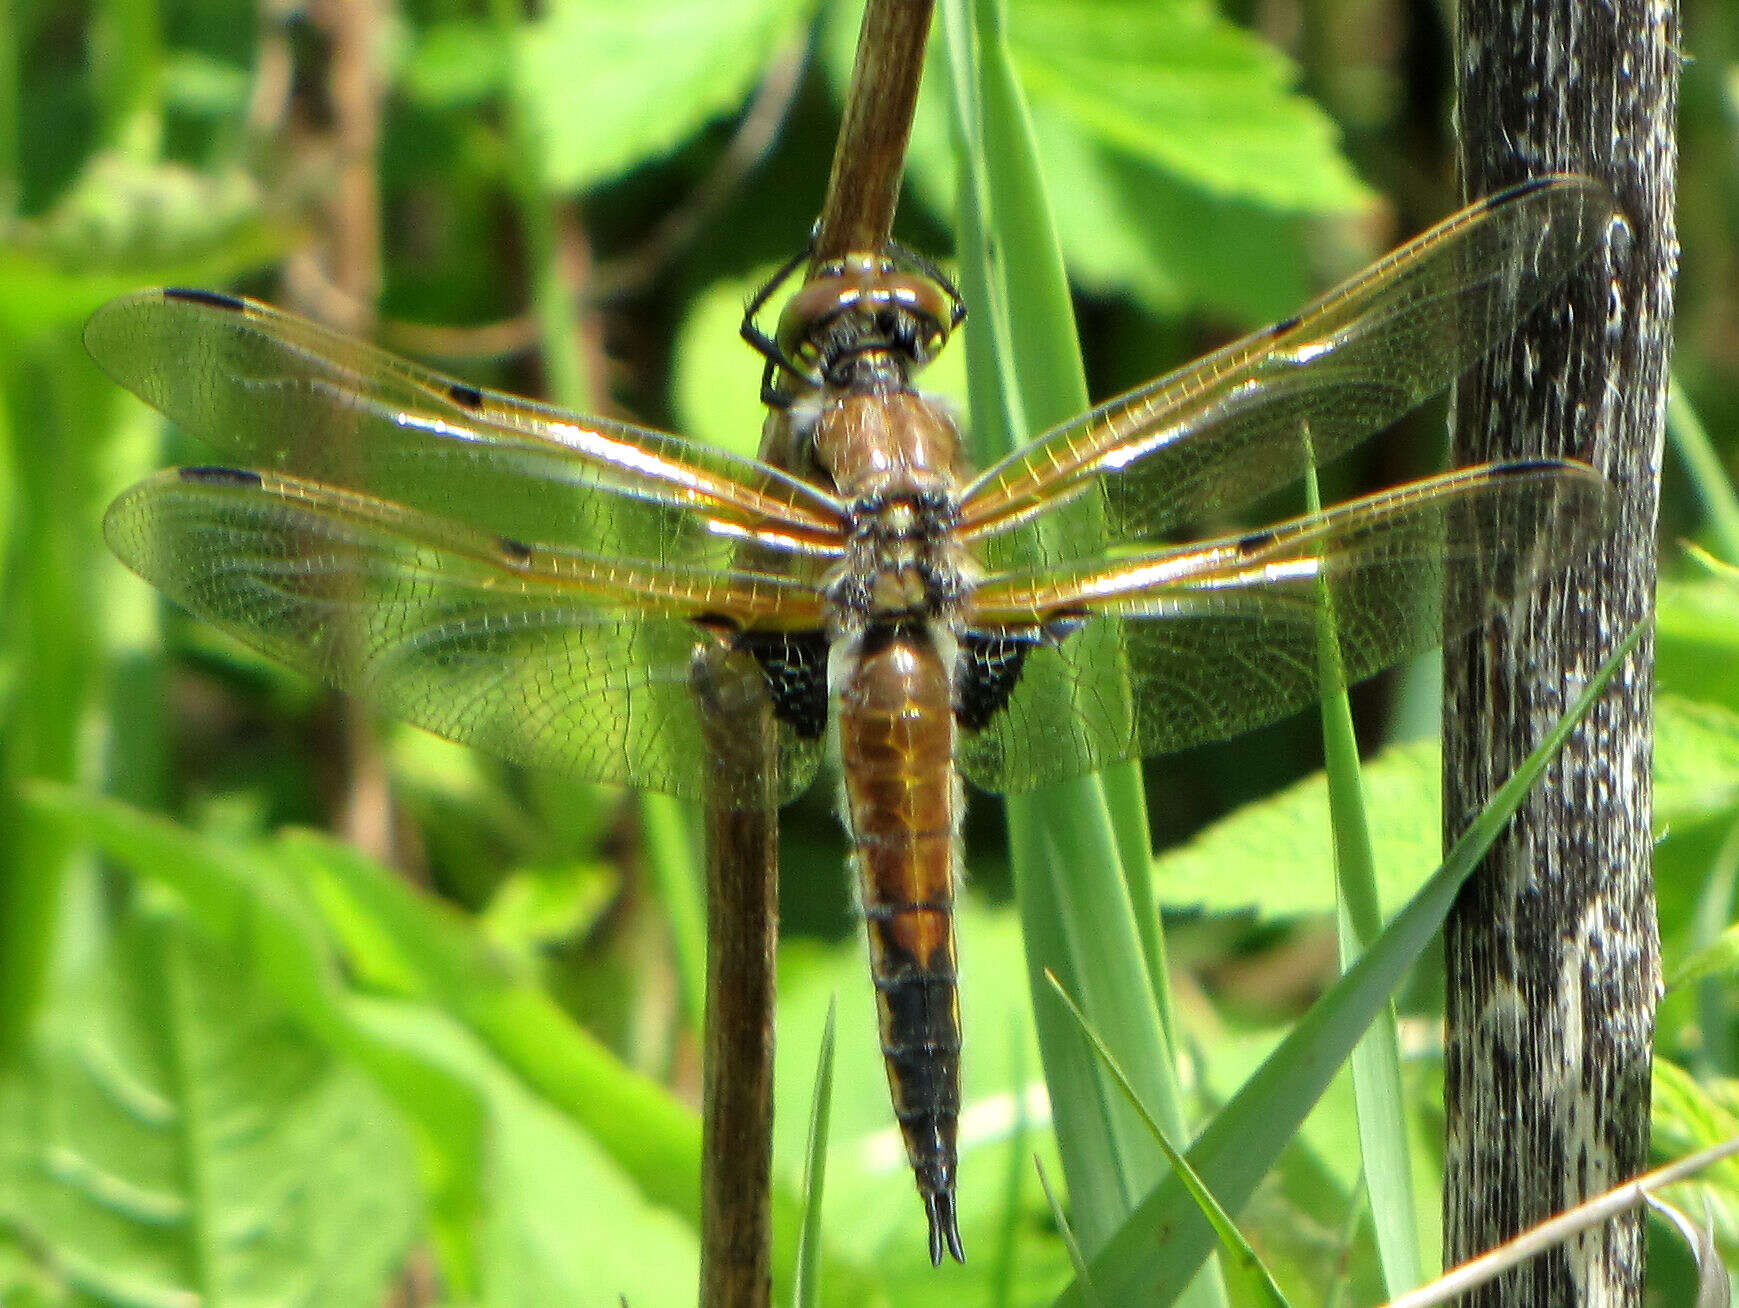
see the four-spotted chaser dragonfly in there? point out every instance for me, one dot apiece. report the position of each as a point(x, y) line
point(546, 586)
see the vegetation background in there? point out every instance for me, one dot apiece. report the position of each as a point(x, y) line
point(247, 1063)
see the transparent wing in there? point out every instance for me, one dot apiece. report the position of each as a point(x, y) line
point(1230, 427)
point(1174, 647)
point(546, 657)
point(279, 393)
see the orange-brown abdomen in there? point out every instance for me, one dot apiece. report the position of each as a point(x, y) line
point(896, 730)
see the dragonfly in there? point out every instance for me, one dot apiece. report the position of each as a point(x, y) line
point(554, 589)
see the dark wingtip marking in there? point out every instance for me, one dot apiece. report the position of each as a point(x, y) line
point(469, 396)
point(1520, 189)
point(1522, 466)
point(1256, 540)
point(1284, 325)
point(211, 475)
point(212, 299)
point(944, 1226)
point(514, 548)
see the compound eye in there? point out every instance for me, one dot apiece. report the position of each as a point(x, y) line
point(809, 311)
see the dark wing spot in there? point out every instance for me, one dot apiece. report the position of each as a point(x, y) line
point(1256, 540)
point(1284, 325)
point(1516, 192)
point(469, 396)
point(795, 665)
point(214, 476)
point(515, 549)
point(212, 298)
point(1522, 466)
point(990, 668)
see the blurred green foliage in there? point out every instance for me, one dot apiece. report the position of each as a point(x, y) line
point(243, 1063)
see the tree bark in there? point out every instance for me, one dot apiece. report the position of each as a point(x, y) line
point(1552, 951)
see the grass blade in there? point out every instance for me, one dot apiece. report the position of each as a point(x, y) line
point(1243, 1261)
point(1165, 1241)
point(1377, 1091)
point(1080, 851)
point(805, 1283)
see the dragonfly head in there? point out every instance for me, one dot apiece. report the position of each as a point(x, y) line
point(864, 322)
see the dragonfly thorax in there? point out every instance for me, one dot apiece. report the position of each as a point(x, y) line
point(894, 458)
point(902, 562)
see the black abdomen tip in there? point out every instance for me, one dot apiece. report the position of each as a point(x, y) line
point(944, 1217)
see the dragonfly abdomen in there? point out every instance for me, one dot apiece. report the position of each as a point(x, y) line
point(902, 805)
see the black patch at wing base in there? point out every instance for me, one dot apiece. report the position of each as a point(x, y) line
point(990, 667)
point(991, 663)
point(795, 665)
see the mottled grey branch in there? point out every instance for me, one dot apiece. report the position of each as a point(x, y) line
point(1552, 953)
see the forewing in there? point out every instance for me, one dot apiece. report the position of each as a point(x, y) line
point(1251, 417)
point(544, 657)
point(1181, 646)
point(279, 393)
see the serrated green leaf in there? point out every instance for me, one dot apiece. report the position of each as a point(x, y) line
point(1130, 227)
point(606, 86)
point(123, 225)
point(1259, 859)
point(1176, 84)
point(562, 1221)
point(1274, 857)
point(176, 1138)
point(1688, 1114)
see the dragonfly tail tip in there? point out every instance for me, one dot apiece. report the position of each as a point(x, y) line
point(939, 1205)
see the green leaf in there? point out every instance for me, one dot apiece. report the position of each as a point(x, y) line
point(563, 1222)
point(1720, 957)
point(1688, 1114)
point(446, 973)
point(1176, 84)
point(1697, 638)
point(1162, 1246)
point(237, 893)
point(173, 1137)
point(1135, 228)
point(455, 64)
point(1259, 858)
point(1133, 224)
point(606, 86)
point(651, 1136)
point(123, 224)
